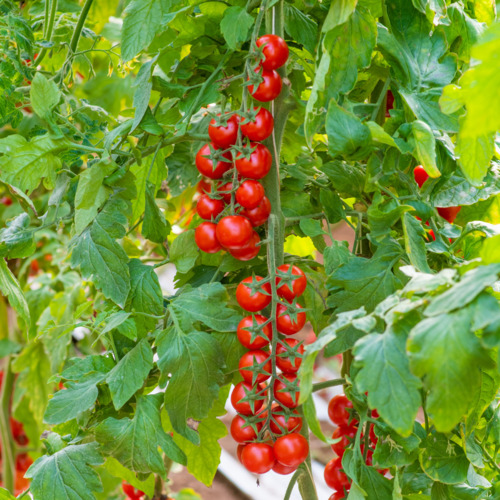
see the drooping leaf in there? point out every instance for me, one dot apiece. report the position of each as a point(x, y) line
point(9, 286)
point(301, 27)
point(155, 226)
point(414, 242)
point(235, 26)
point(44, 95)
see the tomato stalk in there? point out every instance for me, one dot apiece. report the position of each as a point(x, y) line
point(48, 28)
point(8, 469)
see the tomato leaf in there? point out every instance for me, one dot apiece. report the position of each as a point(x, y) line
point(184, 252)
point(45, 96)
point(235, 26)
point(154, 227)
point(414, 242)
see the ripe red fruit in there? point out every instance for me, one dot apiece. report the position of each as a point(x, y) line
point(283, 360)
point(224, 190)
point(338, 411)
point(253, 301)
point(250, 194)
point(205, 237)
point(241, 391)
point(239, 451)
point(6, 200)
point(291, 450)
point(448, 213)
point(258, 216)
point(285, 324)
point(245, 336)
point(132, 492)
point(209, 208)
point(258, 458)
point(254, 358)
point(282, 392)
point(298, 284)
point(335, 477)
point(203, 187)
point(224, 136)
point(347, 434)
point(420, 175)
point(291, 422)
point(234, 231)
point(241, 432)
point(389, 103)
point(257, 165)
point(269, 89)
point(249, 251)
point(259, 128)
point(18, 433)
point(338, 495)
point(283, 469)
point(23, 462)
point(206, 166)
point(275, 51)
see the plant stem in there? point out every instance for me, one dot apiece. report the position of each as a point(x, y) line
point(5, 433)
point(329, 383)
point(48, 29)
point(73, 45)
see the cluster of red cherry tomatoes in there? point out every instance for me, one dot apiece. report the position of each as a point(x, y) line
point(236, 143)
point(270, 439)
point(339, 411)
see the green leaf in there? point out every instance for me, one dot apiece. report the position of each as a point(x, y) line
point(339, 13)
point(5, 495)
point(134, 442)
point(155, 226)
point(449, 362)
point(385, 369)
point(128, 376)
point(301, 27)
point(312, 420)
point(475, 154)
point(99, 255)
point(67, 474)
point(17, 240)
point(117, 470)
point(311, 227)
point(143, 86)
point(184, 252)
point(414, 242)
point(383, 214)
point(347, 178)
point(332, 205)
point(235, 26)
point(8, 347)
point(44, 95)
point(9, 286)
point(423, 143)
point(392, 449)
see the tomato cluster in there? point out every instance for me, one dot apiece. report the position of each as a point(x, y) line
point(267, 424)
point(232, 209)
point(131, 492)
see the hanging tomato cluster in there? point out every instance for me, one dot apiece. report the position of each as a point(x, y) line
point(267, 425)
point(233, 208)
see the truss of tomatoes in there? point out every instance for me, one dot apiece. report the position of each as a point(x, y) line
point(232, 210)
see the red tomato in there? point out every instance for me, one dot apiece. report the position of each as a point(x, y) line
point(224, 190)
point(282, 392)
point(249, 251)
point(6, 200)
point(259, 128)
point(251, 359)
point(275, 51)
point(23, 462)
point(290, 421)
point(258, 458)
point(34, 267)
point(203, 187)
point(347, 434)
point(241, 432)
point(338, 495)
point(239, 451)
point(338, 411)
point(224, 136)
point(284, 322)
point(250, 194)
point(206, 238)
point(291, 450)
point(283, 360)
point(283, 469)
point(252, 323)
point(298, 284)
point(206, 166)
point(209, 208)
point(269, 89)
point(448, 213)
point(257, 164)
point(132, 492)
point(389, 103)
point(234, 231)
point(18, 433)
point(258, 216)
point(335, 477)
point(420, 175)
point(241, 391)
point(373, 436)
point(253, 301)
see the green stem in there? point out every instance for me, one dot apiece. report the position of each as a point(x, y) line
point(49, 28)
point(329, 383)
point(73, 45)
point(8, 469)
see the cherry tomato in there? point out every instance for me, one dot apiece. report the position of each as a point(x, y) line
point(250, 194)
point(234, 231)
point(258, 457)
point(420, 175)
point(291, 450)
point(240, 391)
point(389, 103)
point(206, 238)
point(258, 216)
point(298, 284)
point(338, 495)
point(254, 358)
point(335, 478)
point(347, 434)
point(269, 89)
point(224, 136)
point(241, 432)
point(338, 411)
point(253, 301)
point(209, 208)
point(203, 187)
point(448, 213)
point(6, 200)
point(244, 332)
point(34, 267)
point(283, 360)
point(18, 433)
point(23, 462)
point(285, 324)
point(206, 166)
point(373, 436)
point(283, 469)
point(224, 190)
point(239, 451)
point(259, 128)
point(282, 392)
point(257, 165)
point(290, 422)
point(249, 251)
point(132, 492)
point(275, 51)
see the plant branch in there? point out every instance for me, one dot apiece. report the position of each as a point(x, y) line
point(49, 28)
point(8, 457)
point(329, 383)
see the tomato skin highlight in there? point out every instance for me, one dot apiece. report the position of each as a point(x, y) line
point(291, 450)
point(282, 393)
point(285, 324)
point(259, 129)
point(239, 392)
point(293, 424)
point(234, 231)
point(257, 165)
point(253, 302)
point(252, 358)
point(209, 208)
point(206, 238)
point(283, 362)
point(298, 284)
point(269, 89)
point(244, 336)
point(205, 165)
point(224, 137)
point(241, 433)
point(258, 216)
point(334, 477)
point(250, 194)
point(337, 411)
point(275, 51)
point(258, 458)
